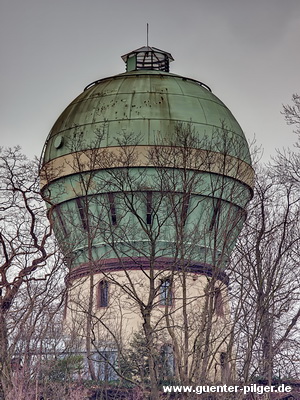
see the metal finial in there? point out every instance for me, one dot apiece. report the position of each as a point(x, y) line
point(147, 34)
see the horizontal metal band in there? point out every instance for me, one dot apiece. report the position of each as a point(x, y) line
point(139, 264)
point(147, 156)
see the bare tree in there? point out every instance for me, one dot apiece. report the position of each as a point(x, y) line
point(265, 281)
point(27, 251)
point(292, 113)
point(287, 161)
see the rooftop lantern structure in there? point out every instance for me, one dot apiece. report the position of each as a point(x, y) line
point(149, 58)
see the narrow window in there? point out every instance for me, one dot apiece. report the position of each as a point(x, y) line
point(82, 213)
point(149, 208)
point(166, 292)
point(218, 302)
point(112, 208)
point(65, 306)
point(225, 367)
point(167, 361)
point(223, 359)
point(185, 207)
point(61, 220)
point(103, 293)
point(216, 214)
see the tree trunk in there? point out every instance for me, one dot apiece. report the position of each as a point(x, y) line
point(267, 345)
point(5, 368)
point(154, 392)
point(89, 330)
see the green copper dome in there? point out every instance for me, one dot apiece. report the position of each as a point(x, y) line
point(145, 103)
point(137, 152)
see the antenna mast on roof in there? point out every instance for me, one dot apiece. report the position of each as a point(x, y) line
point(147, 34)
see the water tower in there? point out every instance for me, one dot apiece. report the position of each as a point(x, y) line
point(146, 175)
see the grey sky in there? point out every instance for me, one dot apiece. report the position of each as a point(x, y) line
point(246, 51)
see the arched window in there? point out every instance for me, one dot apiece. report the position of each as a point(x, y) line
point(103, 293)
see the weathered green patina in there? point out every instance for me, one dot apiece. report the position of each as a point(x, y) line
point(145, 103)
point(138, 155)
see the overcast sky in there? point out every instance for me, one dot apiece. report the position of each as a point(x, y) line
point(246, 51)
